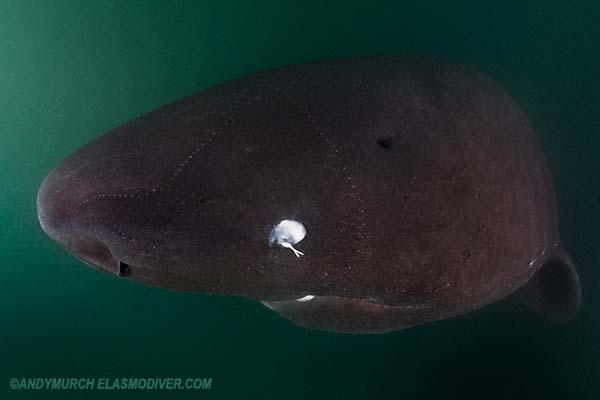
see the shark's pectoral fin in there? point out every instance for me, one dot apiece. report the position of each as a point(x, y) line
point(554, 292)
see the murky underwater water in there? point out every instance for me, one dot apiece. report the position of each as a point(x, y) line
point(71, 70)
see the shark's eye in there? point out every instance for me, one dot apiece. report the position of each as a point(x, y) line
point(286, 234)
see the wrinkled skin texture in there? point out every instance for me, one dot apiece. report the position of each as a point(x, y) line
point(422, 187)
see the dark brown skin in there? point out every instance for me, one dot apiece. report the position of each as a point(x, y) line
point(422, 187)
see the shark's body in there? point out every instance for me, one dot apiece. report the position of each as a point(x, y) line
point(421, 187)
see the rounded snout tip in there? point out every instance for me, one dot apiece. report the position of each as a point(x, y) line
point(68, 228)
point(46, 209)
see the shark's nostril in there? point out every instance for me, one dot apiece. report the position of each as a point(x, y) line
point(124, 269)
point(94, 252)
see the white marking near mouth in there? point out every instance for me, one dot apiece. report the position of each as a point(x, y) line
point(306, 298)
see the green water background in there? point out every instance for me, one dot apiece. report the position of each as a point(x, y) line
point(71, 70)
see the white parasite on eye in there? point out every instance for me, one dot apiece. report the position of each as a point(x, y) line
point(286, 234)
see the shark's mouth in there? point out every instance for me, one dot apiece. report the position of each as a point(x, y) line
point(351, 315)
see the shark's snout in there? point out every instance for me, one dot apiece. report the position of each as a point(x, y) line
point(64, 218)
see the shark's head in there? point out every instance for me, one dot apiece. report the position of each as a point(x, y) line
point(190, 201)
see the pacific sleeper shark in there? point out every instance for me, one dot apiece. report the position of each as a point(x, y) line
point(358, 195)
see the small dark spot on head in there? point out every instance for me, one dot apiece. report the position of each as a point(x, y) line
point(205, 200)
point(386, 142)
